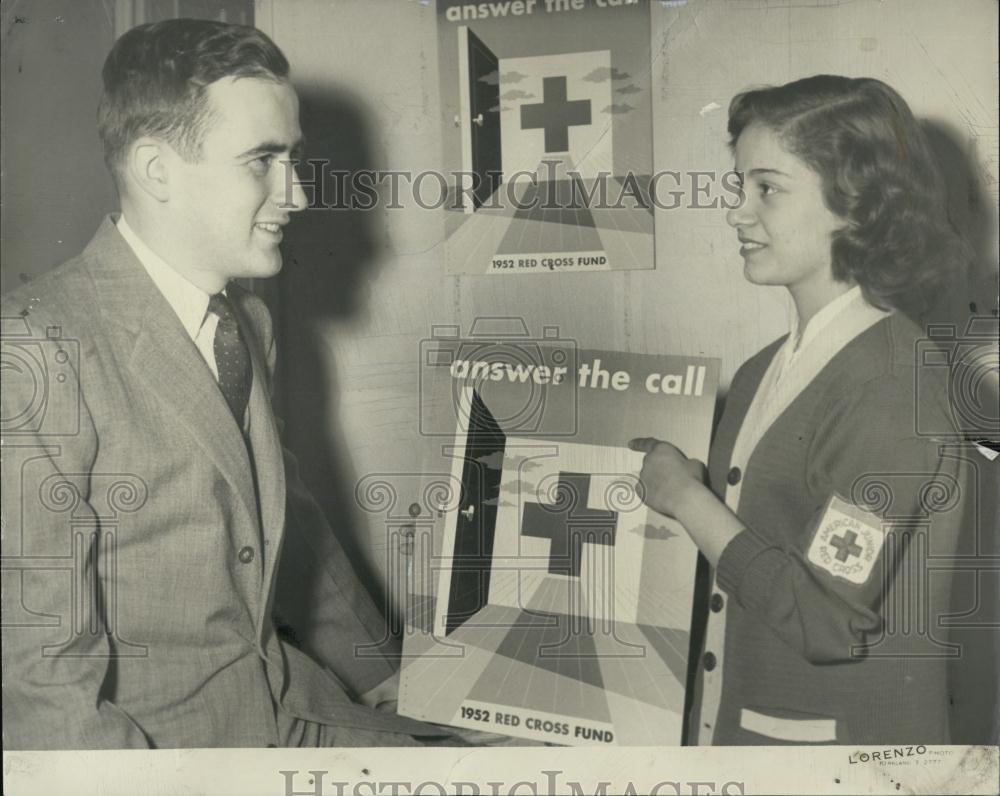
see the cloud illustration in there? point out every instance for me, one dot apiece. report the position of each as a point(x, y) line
point(629, 89)
point(616, 108)
point(512, 77)
point(491, 78)
point(493, 460)
point(661, 532)
point(603, 73)
point(516, 94)
point(522, 491)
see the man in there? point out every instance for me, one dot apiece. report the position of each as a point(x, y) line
point(147, 500)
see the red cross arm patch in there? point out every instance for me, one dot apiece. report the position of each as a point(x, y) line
point(847, 542)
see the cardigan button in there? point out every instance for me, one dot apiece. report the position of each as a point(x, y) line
point(734, 475)
point(716, 603)
point(245, 555)
point(708, 661)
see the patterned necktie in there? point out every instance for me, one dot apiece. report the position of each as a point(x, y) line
point(232, 358)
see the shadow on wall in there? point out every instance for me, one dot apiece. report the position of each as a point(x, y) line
point(974, 685)
point(974, 689)
point(972, 212)
point(56, 189)
point(329, 256)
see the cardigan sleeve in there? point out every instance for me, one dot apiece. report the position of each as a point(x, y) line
point(881, 491)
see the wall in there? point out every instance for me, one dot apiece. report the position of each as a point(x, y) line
point(55, 186)
point(56, 189)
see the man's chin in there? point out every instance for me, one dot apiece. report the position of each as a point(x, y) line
point(263, 268)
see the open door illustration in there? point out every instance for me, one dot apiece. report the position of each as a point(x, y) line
point(479, 119)
point(548, 151)
point(560, 600)
point(476, 523)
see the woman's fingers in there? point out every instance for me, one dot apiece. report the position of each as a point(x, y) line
point(643, 444)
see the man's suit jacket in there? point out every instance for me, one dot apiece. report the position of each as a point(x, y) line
point(140, 538)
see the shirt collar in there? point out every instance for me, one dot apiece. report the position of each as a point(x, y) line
point(793, 369)
point(187, 300)
point(830, 329)
point(823, 318)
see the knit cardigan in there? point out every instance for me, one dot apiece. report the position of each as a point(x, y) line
point(800, 643)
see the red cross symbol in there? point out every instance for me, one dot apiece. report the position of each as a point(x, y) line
point(845, 545)
point(555, 114)
point(569, 523)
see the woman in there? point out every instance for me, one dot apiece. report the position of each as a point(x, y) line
point(825, 500)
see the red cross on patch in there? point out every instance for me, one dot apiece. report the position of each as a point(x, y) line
point(847, 541)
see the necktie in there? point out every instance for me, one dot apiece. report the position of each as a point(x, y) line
point(232, 358)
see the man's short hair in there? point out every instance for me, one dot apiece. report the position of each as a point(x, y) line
point(156, 76)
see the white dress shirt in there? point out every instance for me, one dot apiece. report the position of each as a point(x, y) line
point(186, 299)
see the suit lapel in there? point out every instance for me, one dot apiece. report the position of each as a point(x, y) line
point(166, 359)
point(268, 457)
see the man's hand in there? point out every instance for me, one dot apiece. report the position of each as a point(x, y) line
point(668, 476)
point(384, 697)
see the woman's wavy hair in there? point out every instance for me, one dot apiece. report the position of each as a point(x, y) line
point(879, 174)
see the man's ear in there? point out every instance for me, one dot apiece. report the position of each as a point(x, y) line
point(148, 169)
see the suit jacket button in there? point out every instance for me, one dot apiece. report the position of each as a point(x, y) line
point(733, 477)
point(246, 555)
point(716, 602)
point(708, 661)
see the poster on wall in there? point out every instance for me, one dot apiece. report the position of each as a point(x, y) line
point(548, 602)
point(547, 135)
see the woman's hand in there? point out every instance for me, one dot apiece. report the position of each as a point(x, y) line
point(669, 478)
point(674, 485)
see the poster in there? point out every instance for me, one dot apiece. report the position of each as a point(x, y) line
point(548, 602)
point(547, 135)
